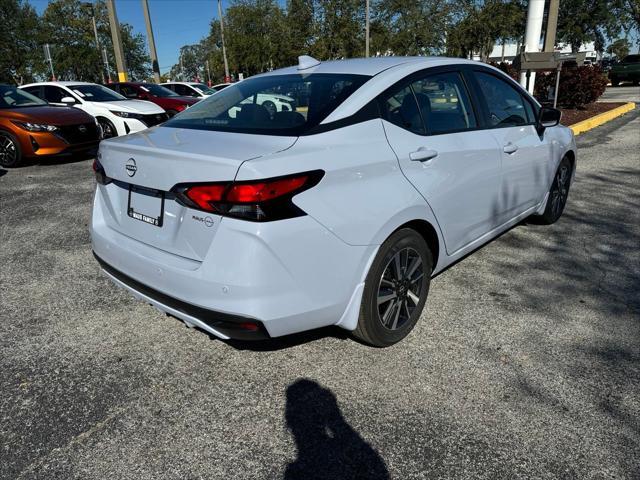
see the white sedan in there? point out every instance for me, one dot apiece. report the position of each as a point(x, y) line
point(115, 114)
point(336, 212)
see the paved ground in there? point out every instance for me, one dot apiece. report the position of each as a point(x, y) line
point(624, 93)
point(526, 363)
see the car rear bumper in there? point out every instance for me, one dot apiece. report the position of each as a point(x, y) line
point(224, 325)
point(286, 276)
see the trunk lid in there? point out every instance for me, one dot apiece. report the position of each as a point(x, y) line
point(146, 165)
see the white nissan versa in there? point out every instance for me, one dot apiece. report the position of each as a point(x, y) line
point(339, 212)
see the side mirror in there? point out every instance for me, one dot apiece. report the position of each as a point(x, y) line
point(549, 117)
point(68, 100)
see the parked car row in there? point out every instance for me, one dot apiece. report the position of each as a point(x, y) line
point(52, 118)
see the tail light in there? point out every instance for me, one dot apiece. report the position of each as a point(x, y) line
point(101, 176)
point(256, 200)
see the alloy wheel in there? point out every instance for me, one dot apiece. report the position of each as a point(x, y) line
point(560, 191)
point(8, 151)
point(399, 288)
point(107, 129)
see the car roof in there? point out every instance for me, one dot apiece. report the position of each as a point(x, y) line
point(65, 83)
point(367, 66)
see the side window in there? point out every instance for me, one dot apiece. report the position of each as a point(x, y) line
point(506, 105)
point(54, 94)
point(183, 90)
point(36, 90)
point(128, 91)
point(531, 115)
point(402, 110)
point(444, 103)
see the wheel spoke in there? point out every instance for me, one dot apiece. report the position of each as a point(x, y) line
point(385, 298)
point(417, 261)
point(387, 283)
point(387, 312)
point(414, 298)
point(397, 267)
point(406, 308)
point(413, 281)
point(396, 316)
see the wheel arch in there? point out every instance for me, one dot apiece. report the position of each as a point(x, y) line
point(428, 232)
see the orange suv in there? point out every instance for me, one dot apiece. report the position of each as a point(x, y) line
point(30, 127)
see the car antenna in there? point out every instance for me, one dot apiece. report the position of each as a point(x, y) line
point(305, 62)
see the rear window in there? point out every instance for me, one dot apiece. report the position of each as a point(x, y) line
point(271, 105)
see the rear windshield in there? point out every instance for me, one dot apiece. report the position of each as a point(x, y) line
point(271, 105)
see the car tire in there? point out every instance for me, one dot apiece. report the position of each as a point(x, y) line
point(614, 82)
point(558, 194)
point(108, 128)
point(171, 113)
point(10, 152)
point(395, 289)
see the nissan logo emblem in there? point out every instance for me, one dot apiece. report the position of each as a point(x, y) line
point(82, 128)
point(130, 167)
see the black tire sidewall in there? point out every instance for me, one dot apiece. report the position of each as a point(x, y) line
point(376, 331)
point(548, 213)
point(101, 121)
point(18, 159)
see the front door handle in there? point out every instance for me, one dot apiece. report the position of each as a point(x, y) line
point(510, 148)
point(423, 155)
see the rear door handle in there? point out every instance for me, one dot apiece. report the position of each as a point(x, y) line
point(510, 148)
point(423, 155)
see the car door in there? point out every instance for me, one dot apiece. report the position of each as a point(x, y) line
point(510, 115)
point(432, 126)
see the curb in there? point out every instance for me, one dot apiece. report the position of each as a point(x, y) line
point(601, 118)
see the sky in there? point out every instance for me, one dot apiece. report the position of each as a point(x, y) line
point(175, 22)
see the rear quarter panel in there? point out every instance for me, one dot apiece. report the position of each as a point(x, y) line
point(363, 196)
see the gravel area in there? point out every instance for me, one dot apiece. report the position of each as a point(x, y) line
point(524, 365)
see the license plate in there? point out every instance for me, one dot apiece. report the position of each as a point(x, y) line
point(146, 205)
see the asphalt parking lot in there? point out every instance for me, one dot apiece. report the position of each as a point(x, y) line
point(525, 363)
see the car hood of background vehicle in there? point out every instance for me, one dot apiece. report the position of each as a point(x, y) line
point(131, 106)
point(48, 115)
point(166, 156)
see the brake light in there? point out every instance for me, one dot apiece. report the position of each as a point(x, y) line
point(261, 200)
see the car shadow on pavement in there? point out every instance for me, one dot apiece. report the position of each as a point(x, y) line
point(3, 172)
point(328, 447)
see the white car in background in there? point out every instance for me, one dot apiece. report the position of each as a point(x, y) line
point(115, 114)
point(190, 89)
point(336, 213)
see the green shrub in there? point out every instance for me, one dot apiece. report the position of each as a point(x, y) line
point(579, 86)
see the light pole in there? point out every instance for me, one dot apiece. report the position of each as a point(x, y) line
point(117, 42)
point(366, 30)
point(535, 12)
point(152, 43)
point(95, 31)
point(227, 77)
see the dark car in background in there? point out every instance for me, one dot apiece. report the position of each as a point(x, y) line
point(30, 127)
point(161, 96)
point(628, 70)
